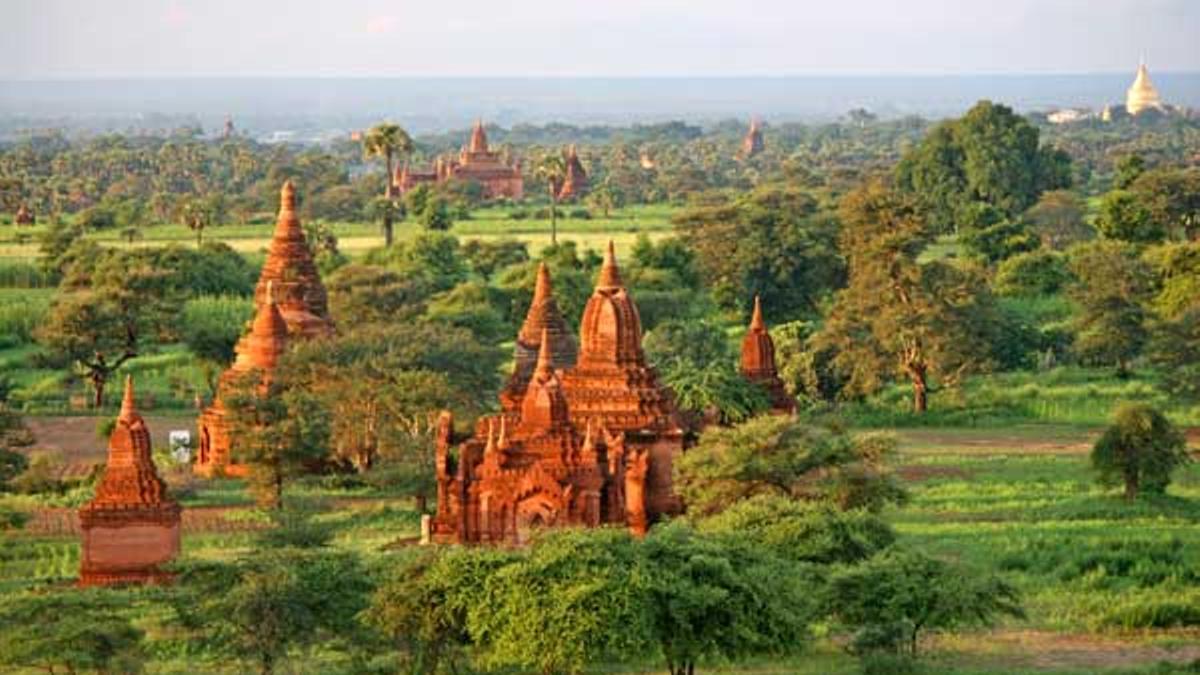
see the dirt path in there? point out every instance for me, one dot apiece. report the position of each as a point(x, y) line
point(1053, 651)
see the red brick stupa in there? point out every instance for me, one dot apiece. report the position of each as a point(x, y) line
point(291, 305)
point(758, 362)
point(24, 216)
point(587, 443)
point(132, 525)
point(752, 143)
point(575, 182)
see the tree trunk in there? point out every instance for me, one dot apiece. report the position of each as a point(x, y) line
point(199, 237)
point(920, 390)
point(1131, 485)
point(389, 193)
point(98, 381)
point(421, 501)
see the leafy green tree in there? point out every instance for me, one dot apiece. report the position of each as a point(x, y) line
point(1032, 274)
point(71, 630)
point(211, 326)
point(1128, 168)
point(891, 599)
point(775, 242)
point(1057, 219)
point(1112, 287)
point(552, 169)
point(276, 430)
point(1172, 198)
point(263, 606)
point(387, 140)
point(377, 294)
point(1124, 217)
point(473, 305)
point(899, 316)
point(434, 256)
point(990, 155)
point(803, 531)
point(777, 455)
point(1139, 451)
point(423, 603)
point(200, 213)
point(1175, 348)
point(714, 598)
point(605, 197)
point(574, 600)
point(487, 257)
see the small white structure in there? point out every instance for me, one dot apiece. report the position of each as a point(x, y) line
point(180, 441)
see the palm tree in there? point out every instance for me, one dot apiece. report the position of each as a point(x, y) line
point(553, 169)
point(387, 140)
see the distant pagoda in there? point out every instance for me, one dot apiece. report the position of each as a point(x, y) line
point(758, 362)
point(575, 182)
point(1142, 94)
point(752, 143)
point(131, 525)
point(475, 163)
point(291, 305)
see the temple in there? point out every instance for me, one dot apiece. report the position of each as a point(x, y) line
point(24, 216)
point(475, 163)
point(586, 436)
point(752, 143)
point(291, 304)
point(1142, 94)
point(131, 526)
point(758, 362)
point(575, 181)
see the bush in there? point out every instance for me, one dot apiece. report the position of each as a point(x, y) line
point(518, 214)
point(1032, 273)
point(1166, 613)
point(580, 214)
point(1139, 451)
point(20, 315)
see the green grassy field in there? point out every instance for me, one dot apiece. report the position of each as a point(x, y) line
point(623, 226)
point(1107, 584)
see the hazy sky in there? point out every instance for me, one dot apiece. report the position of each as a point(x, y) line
point(148, 38)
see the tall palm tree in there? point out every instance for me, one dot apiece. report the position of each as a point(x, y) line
point(387, 140)
point(553, 169)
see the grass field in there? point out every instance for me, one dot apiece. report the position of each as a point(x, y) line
point(1108, 585)
point(623, 226)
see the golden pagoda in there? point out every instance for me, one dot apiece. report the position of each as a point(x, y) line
point(1142, 95)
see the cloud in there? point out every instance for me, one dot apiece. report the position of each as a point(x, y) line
point(381, 24)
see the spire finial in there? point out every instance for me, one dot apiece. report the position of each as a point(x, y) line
point(502, 439)
point(128, 410)
point(491, 438)
point(756, 319)
point(544, 368)
point(541, 289)
point(287, 196)
point(610, 276)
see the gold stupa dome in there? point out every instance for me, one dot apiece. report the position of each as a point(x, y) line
point(1142, 95)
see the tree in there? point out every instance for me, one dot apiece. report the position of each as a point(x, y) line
point(211, 327)
point(374, 294)
point(897, 314)
point(553, 170)
point(277, 431)
point(1172, 198)
point(1057, 219)
point(1139, 451)
point(605, 197)
point(775, 242)
point(777, 455)
point(803, 531)
point(101, 328)
point(387, 140)
point(1111, 288)
point(990, 155)
point(721, 598)
point(892, 598)
point(1128, 168)
point(574, 600)
point(69, 629)
point(1124, 217)
point(267, 603)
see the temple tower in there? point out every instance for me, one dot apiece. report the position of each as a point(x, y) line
point(752, 143)
point(575, 182)
point(131, 526)
point(1142, 94)
point(291, 305)
point(758, 362)
point(543, 318)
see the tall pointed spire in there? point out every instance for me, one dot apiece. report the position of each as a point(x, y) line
point(610, 276)
point(491, 439)
point(287, 223)
point(543, 317)
point(545, 362)
point(756, 319)
point(128, 407)
point(479, 142)
point(502, 438)
point(541, 287)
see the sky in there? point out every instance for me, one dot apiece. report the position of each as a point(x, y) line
point(55, 39)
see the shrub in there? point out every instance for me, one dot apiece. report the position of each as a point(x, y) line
point(1140, 450)
point(580, 214)
point(1032, 273)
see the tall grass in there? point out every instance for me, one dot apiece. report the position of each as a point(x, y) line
point(20, 273)
point(21, 312)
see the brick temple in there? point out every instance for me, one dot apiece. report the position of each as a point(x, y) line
point(758, 362)
point(475, 163)
point(291, 304)
point(752, 143)
point(586, 435)
point(131, 526)
point(575, 180)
